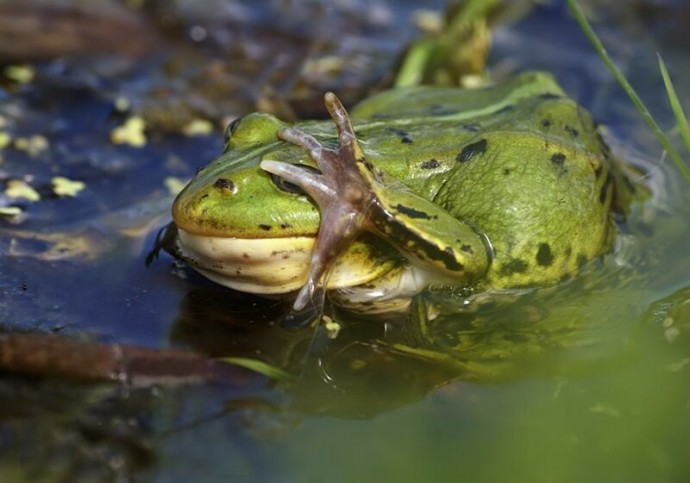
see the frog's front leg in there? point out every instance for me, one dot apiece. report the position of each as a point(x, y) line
point(354, 196)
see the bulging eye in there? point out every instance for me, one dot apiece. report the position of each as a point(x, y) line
point(288, 187)
point(231, 128)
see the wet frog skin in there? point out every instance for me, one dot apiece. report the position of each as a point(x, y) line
point(497, 188)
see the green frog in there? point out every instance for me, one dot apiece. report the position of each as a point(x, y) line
point(502, 188)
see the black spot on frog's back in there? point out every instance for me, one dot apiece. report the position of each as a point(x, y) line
point(440, 110)
point(544, 255)
point(572, 131)
point(548, 96)
point(412, 213)
point(603, 192)
point(558, 162)
point(471, 150)
point(505, 109)
point(558, 159)
point(513, 267)
point(471, 127)
point(403, 135)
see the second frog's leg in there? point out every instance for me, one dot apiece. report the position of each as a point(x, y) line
point(340, 191)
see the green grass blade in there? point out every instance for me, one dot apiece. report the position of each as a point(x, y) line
point(622, 81)
point(261, 367)
point(681, 120)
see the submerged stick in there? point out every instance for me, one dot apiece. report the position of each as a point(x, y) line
point(51, 356)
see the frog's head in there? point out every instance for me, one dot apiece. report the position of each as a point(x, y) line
point(250, 230)
point(234, 197)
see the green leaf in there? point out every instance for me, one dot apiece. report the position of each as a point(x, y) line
point(623, 82)
point(681, 120)
point(261, 367)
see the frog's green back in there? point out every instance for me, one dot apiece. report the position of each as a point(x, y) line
point(449, 102)
point(521, 161)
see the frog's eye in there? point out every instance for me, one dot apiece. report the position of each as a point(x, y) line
point(288, 187)
point(231, 128)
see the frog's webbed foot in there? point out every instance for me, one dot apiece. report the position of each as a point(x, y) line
point(339, 189)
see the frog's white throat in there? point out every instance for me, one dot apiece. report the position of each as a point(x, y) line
point(272, 266)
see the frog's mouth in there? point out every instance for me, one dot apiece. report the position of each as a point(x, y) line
point(274, 265)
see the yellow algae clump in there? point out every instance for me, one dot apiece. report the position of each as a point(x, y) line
point(10, 211)
point(198, 127)
point(17, 188)
point(20, 73)
point(66, 187)
point(131, 132)
point(5, 139)
point(121, 104)
point(33, 145)
point(332, 327)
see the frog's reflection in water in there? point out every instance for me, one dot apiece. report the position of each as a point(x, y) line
point(353, 366)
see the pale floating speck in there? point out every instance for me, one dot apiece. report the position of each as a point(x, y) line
point(680, 365)
point(323, 65)
point(131, 132)
point(17, 188)
point(5, 139)
point(33, 145)
point(429, 21)
point(10, 211)
point(473, 81)
point(198, 127)
point(173, 184)
point(671, 333)
point(332, 327)
point(20, 73)
point(67, 187)
point(605, 409)
point(121, 104)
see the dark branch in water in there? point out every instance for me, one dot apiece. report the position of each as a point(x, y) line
point(50, 356)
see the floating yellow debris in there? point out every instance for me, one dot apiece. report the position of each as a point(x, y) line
point(5, 139)
point(121, 104)
point(20, 73)
point(198, 127)
point(131, 132)
point(332, 327)
point(66, 187)
point(33, 145)
point(17, 188)
point(10, 211)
